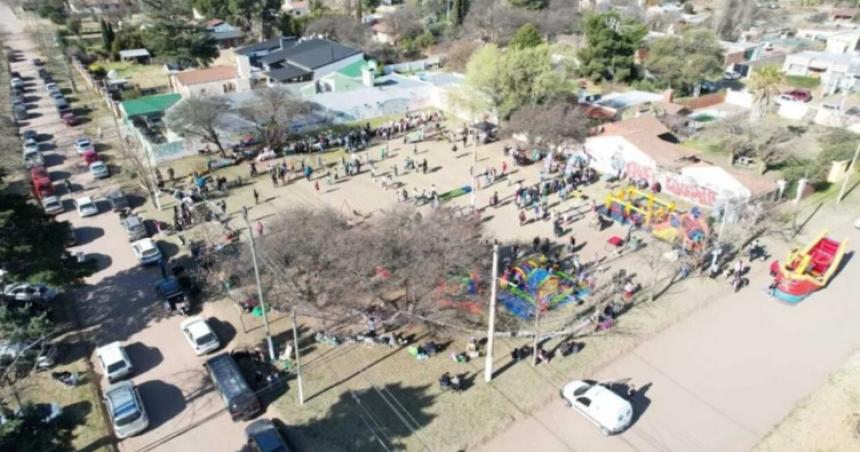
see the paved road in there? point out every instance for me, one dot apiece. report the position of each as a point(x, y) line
point(720, 379)
point(118, 302)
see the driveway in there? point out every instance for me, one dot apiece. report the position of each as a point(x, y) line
point(118, 302)
point(723, 377)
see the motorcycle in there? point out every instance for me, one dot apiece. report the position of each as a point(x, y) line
point(756, 252)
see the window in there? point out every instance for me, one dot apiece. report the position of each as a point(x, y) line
point(584, 401)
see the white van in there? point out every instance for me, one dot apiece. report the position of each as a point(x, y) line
point(114, 361)
point(608, 410)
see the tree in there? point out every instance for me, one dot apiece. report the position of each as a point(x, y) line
point(612, 42)
point(340, 28)
point(107, 39)
point(733, 17)
point(458, 12)
point(74, 26)
point(764, 84)
point(458, 54)
point(494, 21)
point(561, 123)
point(505, 81)
point(683, 62)
point(529, 4)
point(404, 23)
point(28, 431)
point(275, 112)
point(32, 245)
point(527, 36)
point(760, 141)
point(180, 42)
point(198, 117)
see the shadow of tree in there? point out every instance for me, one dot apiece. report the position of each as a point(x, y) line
point(372, 419)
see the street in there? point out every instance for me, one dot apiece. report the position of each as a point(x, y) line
point(721, 378)
point(119, 302)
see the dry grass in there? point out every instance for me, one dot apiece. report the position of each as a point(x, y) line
point(143, 75)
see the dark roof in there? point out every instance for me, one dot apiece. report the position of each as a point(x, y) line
point(287, 72)
point(269, 45)
point(311, 54)
point(222, 35)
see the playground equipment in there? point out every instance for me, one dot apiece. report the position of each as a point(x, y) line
point(807, 270)
point(687, 229)
point(631, 205)
point(528, 286)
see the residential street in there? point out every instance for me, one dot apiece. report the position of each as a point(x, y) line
point(721, 378)
point(119, 301)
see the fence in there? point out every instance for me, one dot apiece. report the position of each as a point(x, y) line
point(411, 66)
point(695, 103)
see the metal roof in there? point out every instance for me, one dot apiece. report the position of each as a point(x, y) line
point(268, 45)
point(287, 72)
point(133, 53)
point(311, 54)
point(149, 104)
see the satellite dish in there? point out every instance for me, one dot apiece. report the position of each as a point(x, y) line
point(112, 74)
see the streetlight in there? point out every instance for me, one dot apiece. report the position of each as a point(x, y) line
point(259, 286)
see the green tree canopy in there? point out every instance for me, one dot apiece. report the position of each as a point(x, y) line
point(681, 62)
point(612, 42)
point(32, 245)
point(527, 36)
point(27, 431)
point(180, 42)
point(506, 80)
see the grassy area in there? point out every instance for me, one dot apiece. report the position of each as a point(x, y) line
point(798, 81)
point(702, 145)
point(143, 75)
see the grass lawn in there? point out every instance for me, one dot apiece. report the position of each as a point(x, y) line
point(703, 145)
point(144, 75)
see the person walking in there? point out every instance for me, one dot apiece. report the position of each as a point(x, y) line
point(317, 185)
point(256, 196)
point(68, 185)
point(259, 228)
point(424, 166)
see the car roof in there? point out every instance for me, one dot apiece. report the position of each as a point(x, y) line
point(111, 353)
point(144, 244)
point(197, 326)
point(97, 163)
point(121, 396)
point(84, 200)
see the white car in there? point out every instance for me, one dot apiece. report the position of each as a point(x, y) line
point(83, 144)
point(198, 333)
point(600, 405)
point(114, 361)
point(33, 158)
point(146, 251)
point(16, 82)
point(30, 143)
point(52, 205)
point(86, 207)
point(731, 75)
point(99, 170)
point(127, 414)
point(29, 292)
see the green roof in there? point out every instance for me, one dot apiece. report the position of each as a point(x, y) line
point(145, 105)
point(353, 70)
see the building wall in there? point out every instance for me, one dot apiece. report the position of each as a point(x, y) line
point(208, 89)
point(796, 66)
point(243, 66)
point(842, 44)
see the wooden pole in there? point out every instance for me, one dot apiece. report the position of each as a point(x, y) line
point(848, 175)
point(491, 324)
point(298, 359)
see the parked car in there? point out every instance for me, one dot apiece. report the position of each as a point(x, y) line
point(799, 95)
point(784, 98)
point(70, 119)
point(90, 156)
point(45, 412)
point(86, 207)
point(173, 294)
point(31, 145)
point(241, 402)
point(83, 144)
point(16, 82)
point(43, 73)
point(37, 62)
point(42, 185)
point(731, 75)
point(146, 251)
point(600, 405)
point(114, 361)
point(33, 159)
point(99, 170)
point(199, 335)
point(263, 436)
point(56, 95)
point(53, 205)
point(134, 227)
point(27, 292)
point(126, 410)
point(42, 356)
point(52, 86)
point(61, 104)
point(117, 201)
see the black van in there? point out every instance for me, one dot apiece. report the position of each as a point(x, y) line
point(240, 400)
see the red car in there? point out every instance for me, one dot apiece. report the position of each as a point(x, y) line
point(799, 95)
point(42, 185)
point(70, 119)
point(90, 156)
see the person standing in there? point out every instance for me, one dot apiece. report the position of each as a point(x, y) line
point(317, 185)
point(68, 185)
point(256, 196)
point(259, 227)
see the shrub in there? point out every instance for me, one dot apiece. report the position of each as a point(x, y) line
point(97, 71)
point(799, 81)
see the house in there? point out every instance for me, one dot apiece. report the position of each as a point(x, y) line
point(137, 55)
point(99, 7)
point(626, 103)
point(739, 52)
point(643, 149)
point(845, 42)
point(211, 81)
point(225, 35)
point(844, 14)
point(286, 60)
point(383, 32)
point(144, 117)
point(836, 70)
point(296, 8)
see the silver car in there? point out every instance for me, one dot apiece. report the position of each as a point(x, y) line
point(125, 408)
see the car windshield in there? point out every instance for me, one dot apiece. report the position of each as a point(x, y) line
point(582, 390)
point(205, 339)
point(86, 206)
point(150, 252)
point(131, 416)
point(115, 367)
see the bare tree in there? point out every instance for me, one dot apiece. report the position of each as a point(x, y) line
point(340, 28)
point(733, 17)
point(558, 124)
point(495, 21)
point(275, 112)
point(404, 22)
point(458, 54)
point(198, 117)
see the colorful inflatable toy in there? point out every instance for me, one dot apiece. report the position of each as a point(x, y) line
point(807, 270)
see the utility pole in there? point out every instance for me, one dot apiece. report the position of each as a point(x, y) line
point(535, 343)
point(298, 359)
point(491, 325)
point(474, 169)
point(259, 286)
point(848, 175)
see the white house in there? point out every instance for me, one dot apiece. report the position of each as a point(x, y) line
point(211, 81)
point(286, 60)
point(844, 42)
point(642, 148)
point(296, 8)
point(836, 70)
